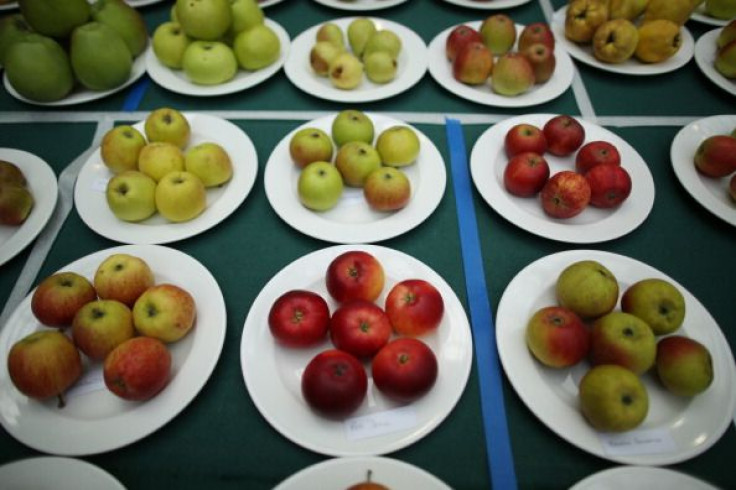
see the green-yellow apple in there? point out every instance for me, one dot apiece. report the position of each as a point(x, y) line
point(383, 40)
point(499, 33)
point(206, 20)
point(622, 339)
point(257, 47)
point(100, 326)
point(360, 30)
point(615, 41)
point(12, 28)
point(180, 196)
point(346, 71)
point(166, 312)
point(331, 33)
point(210, 162)
point(656, 301)
point(57, 298)
point(138, 369)
point(11, 173)
point(588, 288)
point(720, 9)
point(557, 337)
point(169, 125)
point(209, 62)
point(512, 75)
point(684, 365)
point(355, 160)
point(16, 203)
point(380, 67)
point(131, 196)
point(319, 186)
point(159, 158)
point(120, 148)
point(725, 62)
point(387, 189)
point(398, 146)
point(122, 277)
point(351, 125)
point(246, 14)
point(321, 55)
point(309, 145)
point(613, 399)
point(169, 43)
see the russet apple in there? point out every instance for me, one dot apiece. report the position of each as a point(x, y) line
point(309, 145)
point(351, 125)
point(123, 277)
point(523, 138)
point(613, 399)
point(623, 339)
point(180, 196)
point(458, 38)
point(165, 311)
point(210, 162)
point(684, 365)
point(565, 195)
point(499, 33)
point(100, 326)
point(355, 161)
point(354, 274)
point(120, 148)
point(130, 196)
point(588, 288)
point(557, 337)
point(715, 156)
point(398, 146)
point(159, 158)
point(167, 124)
point(512, 74)
point(610, 185)
point(387, 189)
point(656, 301)
point(472, 64)
point(319, 186)
point(59, 296)
point(138, 369)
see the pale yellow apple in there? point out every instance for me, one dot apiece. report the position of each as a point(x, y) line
point(180, 196)
point(210, 162)
point(160, 158)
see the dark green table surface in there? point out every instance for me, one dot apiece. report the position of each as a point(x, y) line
point(220, 440)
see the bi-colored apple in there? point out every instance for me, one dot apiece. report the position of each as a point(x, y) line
point(542, 59)
point(414, 307)
point(355, 160)
point(557, 337)
point(457, 39)
point(715, 156)
point(610, 185)
point(138, 369)
point(499, 33)
point(535, 33)
point(473, 64)
point(360, 328)
point(684, 365)
point(165, 311)
point(405, 369)
point(100, 326)
point(524, 137)
point(565, 195)
point(387, 189)
point(122, 277)
point(309, 145)
point(58, 297)
point(355, 274)
point(512, 74)
point(623, 339)
point(120, 148)
point(595, 153)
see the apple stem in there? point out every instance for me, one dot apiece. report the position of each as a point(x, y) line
point(62, 402)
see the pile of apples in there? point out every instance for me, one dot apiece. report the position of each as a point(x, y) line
point(359, 162)
point(157, 173)
point(598, 179)
point(210, 40)
point(121, 318)
point(477, 55)
point(16, 199)
point(715, 158)
point(725, 60)
point(403, 367)
point(620, 345)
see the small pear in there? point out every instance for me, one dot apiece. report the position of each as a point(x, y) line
point(332, 33)
point(346, 71)
point(360, 31)
point(383, 40)
point(321, 55)
point(380, 67)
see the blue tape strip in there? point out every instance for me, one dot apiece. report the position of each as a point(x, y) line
point(133, 100)
point(498, 444)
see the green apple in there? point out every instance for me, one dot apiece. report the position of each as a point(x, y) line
point(205, 20)
point(16, 203)
point(210, 162)
point(246, 14)
point(257, 47)
point(355, 160)
point(100, 326)
point(684, 365)
point(512, 75)
point(166, 312)
point(169, 43)
point(159, 158)
point(122, 277)
point(120, 148)
point(351, 125)
point(613, 399)
point(130, 195)
point(126, 20)
point(398, 146)
point(319, 186)
point(53, 18)
point(499, 33)
point(387, 189)
point(383, 40)
point(39, 68)
point(322, 54)
point(180, 196)
point(58, 297)
point(309, 145)
point(360, 31)
point(209, 62)
point(622, 339)
point(380, 67)
point(99, 69)
point(331, 33)
point(346, 71)
point(167, 124)
point(721, 9)
point(588, 288)
point(656, 301)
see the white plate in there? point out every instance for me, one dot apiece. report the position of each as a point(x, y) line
point(344, 472)
point(91, 203)
point(54, 473)
point(412, 64)
point(9, 6)
point(699, 15)
point(640, 478)
point(488, 4)
point(267, 3)
point(140, 3)
point(705, 56)
point(360, 5)
point(41, 180)
point(711, 193)
point(632, 66)
point(552, 394)
point(352, 220)
point(97, 421)
point(177, 81)
point(80, 95)
point(487, 163)
point(272, 373)
point(441, 70)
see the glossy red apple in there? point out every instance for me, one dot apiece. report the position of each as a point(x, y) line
point(360, 328)
point(716, 156)
point(473, 64)
point(334, 383)
point(58, 298)
point(534, 33)
point(557, 337)
point(522, 138)
point(596, 153)
point(564, 135)
point(138, 369)
point(414, 307)
point(566, 194)
point(299, 318)
point(610, 185)
point(355, 275)
point(405, 369)
point(525, 174)
point(458, 38)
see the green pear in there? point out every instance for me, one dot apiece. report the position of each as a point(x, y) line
point(125, 20)
point(55, 18)
point(383, 40)
point(331, 32)
point(95, 68)
point(38, 68)
point(12, 27)
point(360, 31)
point(16, 202)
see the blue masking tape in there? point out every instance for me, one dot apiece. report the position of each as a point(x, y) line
point(133, 100)
point(498, 444)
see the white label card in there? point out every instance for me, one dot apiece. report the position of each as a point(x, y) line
point(381, 423)
point(651, 441)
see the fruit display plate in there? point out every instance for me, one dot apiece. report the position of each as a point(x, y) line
point(94, 420)
point(699, 15)
point(352, 220)
point(177, 81)
point(91, 202)
point(711, 193)
point(488, 4)
point(272, 373)
point(441, 70)
point(640, 478)
point(705, 56)
point(360, 5)
point(42, 183)
point(631, 66)
point(487, 163)
point(344, 472)
point(412, 65)
point(691, 425)
point(46, 472)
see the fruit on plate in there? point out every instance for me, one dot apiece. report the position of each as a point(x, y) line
point(206, 20)
point(169, 43)
point(725, 36)
point(299, 318)
point(309, 145)
point(16, 203)
point(351, 125)
point(524, 137)
point(131, 195)
point(536, 33)
point(613, 399)
point(165, 311)
point(160, 158)
point(564, 135)
point(405, 369)
point(472, 64)
point(675, 10)
point(120, 148)
point(414, 307)
point(383, 40)
point(51, 19)
point(209, 62)
point(565, 195)
point(732, 187)
point(588, 288)
point(322, 55)
point(512, 74)
point(360, 328)
point(615, 41)
point(180, 196)
point(355, 160)
point(59, 296)
point(596, 153)
point(458, 38)
point(100, 326)
point(380, 67)
point(715, 156)
point(138, 369)
point(11, 173)
point(246, 14)
point(583, 17)
point(169, 125)
point(684, 365)
point(610, 185)
point(331, 32)
point(257, 47)
point(334, 383)
point(499, 33)
point(125, 20)
point(659, 40)
point(354, 274)
point(623, 339)
point(725, 62)
point(319, 186)
point(44, 364)
point(656, 301)
point(543, 61)
point(368, 484)
point(525, 174)
point(626, 9)
point(12, 28)
point(387, 189)
point(398, 146)
point(122, 277)
point(210, 162)
point(95, 68)
point(720, 9)
point(359, 31)
point(346, 71)
point(557, 337)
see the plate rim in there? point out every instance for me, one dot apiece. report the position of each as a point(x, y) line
point(489, 4)
point(704, 58)
point(360, 6)
point(591, 482)
point(78, 466)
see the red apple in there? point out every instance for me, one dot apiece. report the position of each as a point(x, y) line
point(299, 318)
point(566, 194)
point(595, 153)
point(534, 33)
point(716, 156)
point(557, 337)
point(610, 185)
point(543, 61)
point(123, 277)
point(458, 38)
point(684, 365)
point(524, 137)
point(414, 307)
point(58, 297)
point(473, 64)
point(525, 174)
point(405, 369)
point(360, 328)
point(564, 135)
point(355, 275)
point(137, 369)
point(334, 383)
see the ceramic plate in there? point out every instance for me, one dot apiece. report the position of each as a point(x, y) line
point(711, 193)
point(441, 70)
point(141, 3)
point(705, 56)
point(488, 161)
point(488, 4)
point(632, 66)
point(693, 425)
point(91, 203)
point(699, 15)
point(640, 478)
point(177, 81)
point(272, 373)
point(267, 3)
point(344, 472)
point(54, 473)
point(412, 64)
point(352, 220)
point(79, 94)
point(360, 5)
point(9, 6)
point(43, 185)
point(94, 420)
